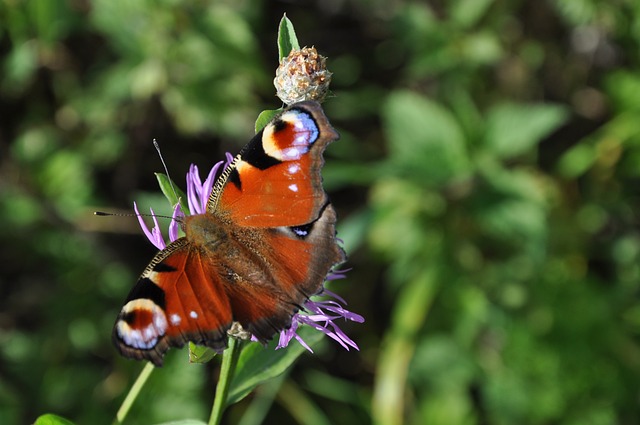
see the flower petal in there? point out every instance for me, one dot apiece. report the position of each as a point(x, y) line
point(158, 239)
point(154, 235)
point(173, 226)
point(321, 315)
point(193, 183)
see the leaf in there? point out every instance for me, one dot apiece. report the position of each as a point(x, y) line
point(620, 130)
point(265, 117)
point(624, 89)
point(184, 422)
point(425, 141)
point(409, 314)
point(51, 419)
point(19, 66)
point(516, 223)
point(467, 13)
point(442, 362)
point(172, 192)
point(200, 354)
point(513, 129)
point(287, 40)
point(258, 364)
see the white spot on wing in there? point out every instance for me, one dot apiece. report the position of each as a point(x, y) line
point(292, 153)
point(301, 140)
point(293, 187)
point(293, 168)
point(193, 314)
point(175, 319)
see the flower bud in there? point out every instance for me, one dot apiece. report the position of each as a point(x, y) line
point(302, 76)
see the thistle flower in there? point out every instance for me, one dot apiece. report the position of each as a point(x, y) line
point(321, 314)
point(302, 75)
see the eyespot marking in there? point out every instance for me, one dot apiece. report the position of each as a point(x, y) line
point(290, 136)
point(141, 324)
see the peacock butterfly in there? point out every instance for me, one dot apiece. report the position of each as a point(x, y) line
point(264, 245)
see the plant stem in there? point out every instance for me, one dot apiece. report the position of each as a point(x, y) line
point(227, 368)
point(133, 393)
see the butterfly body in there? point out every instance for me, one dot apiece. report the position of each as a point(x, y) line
point(264, 245)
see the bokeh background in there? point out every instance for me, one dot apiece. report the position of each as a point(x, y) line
point(487, 182)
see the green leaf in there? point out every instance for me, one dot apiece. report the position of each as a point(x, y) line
point(265, 117)
point(577, 160)
point(466, 13)
point(513, 129)
point(442, 362)
point(425, 141)
point(258, 364)
point(518, 224)
point(20, 64)
point(624, 89)
point(200, 354)
point(410, 312)
point(172, 192)
point(51, 419)
point(287, 40)
point(184, 422)
point(621, 130)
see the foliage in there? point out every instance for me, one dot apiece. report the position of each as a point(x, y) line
point(486, 182)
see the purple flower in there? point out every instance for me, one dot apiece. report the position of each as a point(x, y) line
point(320, 314)
point(155, 235)
point(197, 197)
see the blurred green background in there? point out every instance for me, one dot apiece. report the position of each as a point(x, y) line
point(487, 182)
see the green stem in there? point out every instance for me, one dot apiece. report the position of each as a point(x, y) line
point(133, 393)
point(227, 368)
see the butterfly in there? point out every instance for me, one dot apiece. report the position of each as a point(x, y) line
point(264, 245)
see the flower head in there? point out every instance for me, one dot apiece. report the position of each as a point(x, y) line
point(302, 75)
point(320, 314)
point(198, 194)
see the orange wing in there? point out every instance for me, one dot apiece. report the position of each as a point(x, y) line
point(275, 180)
point(295, 262)
point(178, 298)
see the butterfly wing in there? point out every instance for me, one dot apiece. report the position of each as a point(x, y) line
point(178, 298)
point(298, 260)
point(275, 180)
point(272, 192)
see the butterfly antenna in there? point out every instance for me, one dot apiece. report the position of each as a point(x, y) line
point(166, 170)
point(108, 214)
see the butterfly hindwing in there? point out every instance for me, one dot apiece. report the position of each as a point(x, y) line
point(295, 261)
point(178, 298)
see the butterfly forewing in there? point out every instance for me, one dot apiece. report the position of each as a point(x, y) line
point(276, 180)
